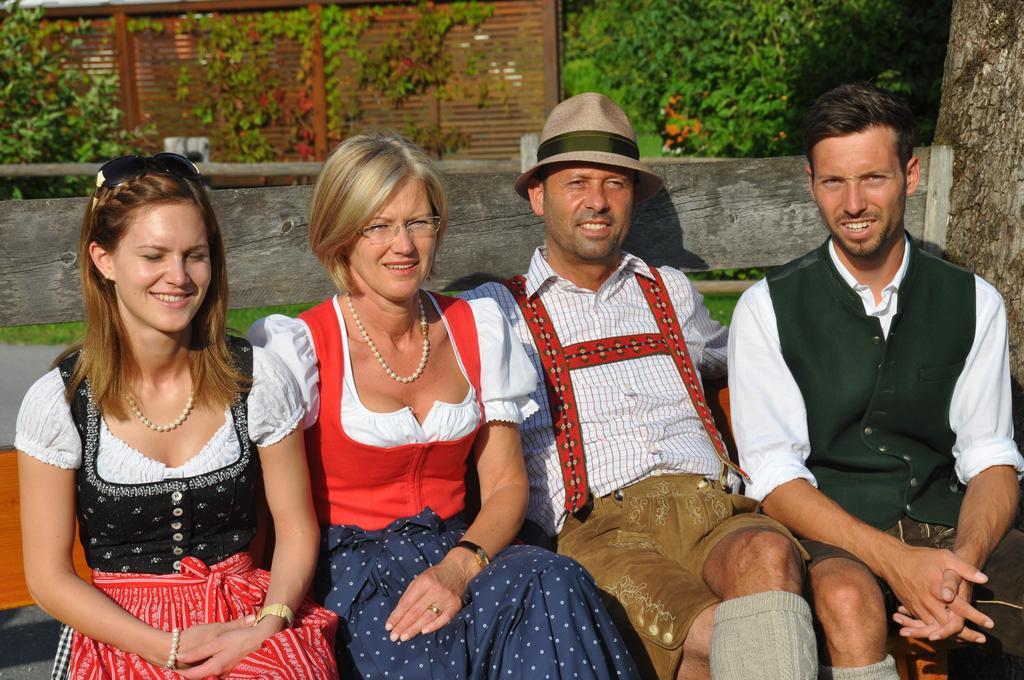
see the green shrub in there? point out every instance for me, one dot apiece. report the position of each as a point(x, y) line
point(50, 112)
point(734, 77)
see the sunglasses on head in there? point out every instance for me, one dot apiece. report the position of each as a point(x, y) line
point(118, 171)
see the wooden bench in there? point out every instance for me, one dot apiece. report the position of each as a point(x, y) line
point(13, 591)
point(713, 214)
point(917, 660)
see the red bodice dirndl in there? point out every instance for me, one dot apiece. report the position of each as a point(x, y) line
point(368, 486)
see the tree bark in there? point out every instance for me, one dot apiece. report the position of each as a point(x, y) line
point(982, 118)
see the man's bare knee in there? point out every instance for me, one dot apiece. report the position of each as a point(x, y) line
point(753, 561)
point(848, 604)
point(696, 663)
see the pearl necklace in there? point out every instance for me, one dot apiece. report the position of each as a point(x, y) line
point(376, 352)
point(161, 428)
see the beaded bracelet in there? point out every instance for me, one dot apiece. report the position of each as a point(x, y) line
point(172, 658)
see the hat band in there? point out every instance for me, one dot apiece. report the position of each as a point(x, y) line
point(588, 140)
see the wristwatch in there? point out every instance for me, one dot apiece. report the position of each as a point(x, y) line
point(282, 610)
point(481, 555)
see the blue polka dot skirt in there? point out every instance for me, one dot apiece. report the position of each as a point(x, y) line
point(531, 614)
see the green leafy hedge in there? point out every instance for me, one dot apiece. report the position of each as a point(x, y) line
point(734, 77)
point(50, 113)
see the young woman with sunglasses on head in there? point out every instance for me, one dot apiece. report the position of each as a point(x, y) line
point(155, 432)
point(402, 388)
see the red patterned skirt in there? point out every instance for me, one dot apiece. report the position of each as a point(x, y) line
point(208, 594)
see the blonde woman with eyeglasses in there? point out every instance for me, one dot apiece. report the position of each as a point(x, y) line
point(403, 388)
point(155, 431)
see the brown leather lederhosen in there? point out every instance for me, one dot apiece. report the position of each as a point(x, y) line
point(558, 362)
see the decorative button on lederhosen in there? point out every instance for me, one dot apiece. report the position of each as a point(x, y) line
point(178, 537)
point(177, 512)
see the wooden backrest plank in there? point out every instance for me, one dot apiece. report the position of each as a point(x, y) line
point(712, 215)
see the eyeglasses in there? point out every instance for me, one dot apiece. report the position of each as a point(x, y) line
point(118, 171)
point(421, 228)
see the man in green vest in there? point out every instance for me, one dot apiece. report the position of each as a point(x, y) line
point(870, 393)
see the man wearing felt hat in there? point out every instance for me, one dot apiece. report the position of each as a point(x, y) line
point(628, 474)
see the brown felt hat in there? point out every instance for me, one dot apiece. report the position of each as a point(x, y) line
point(592, 128)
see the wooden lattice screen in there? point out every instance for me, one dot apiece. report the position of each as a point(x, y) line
point(514, 53)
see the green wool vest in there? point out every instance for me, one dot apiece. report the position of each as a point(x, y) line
point(877, 407)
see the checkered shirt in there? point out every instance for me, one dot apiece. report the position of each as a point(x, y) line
point(636, 417)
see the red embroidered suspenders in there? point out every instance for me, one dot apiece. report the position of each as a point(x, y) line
point(558, 361)
point(561, 400)
point(668, 324)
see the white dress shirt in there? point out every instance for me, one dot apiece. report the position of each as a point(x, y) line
point(769, 417)
point(636, 416)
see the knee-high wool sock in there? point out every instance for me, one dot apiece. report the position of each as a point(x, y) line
point(883, 670)
point(768, 636)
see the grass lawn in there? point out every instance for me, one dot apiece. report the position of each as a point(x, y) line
point(720, 306)
point(239, 321)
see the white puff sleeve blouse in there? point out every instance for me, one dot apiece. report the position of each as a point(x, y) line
point(507, 378)
point(46, 431)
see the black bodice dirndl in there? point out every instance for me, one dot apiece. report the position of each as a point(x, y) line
point(149, 528)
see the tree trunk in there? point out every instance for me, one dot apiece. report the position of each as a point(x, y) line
point(982, 118)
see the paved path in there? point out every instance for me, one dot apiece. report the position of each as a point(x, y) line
point(28, 636)
point(28, 640)
point(20, 366)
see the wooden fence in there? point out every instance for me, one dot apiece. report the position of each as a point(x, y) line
point(504, 78)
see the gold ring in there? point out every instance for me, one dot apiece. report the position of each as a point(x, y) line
point(434, 608)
